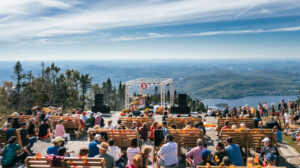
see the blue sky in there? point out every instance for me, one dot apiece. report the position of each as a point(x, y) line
point(154, 29)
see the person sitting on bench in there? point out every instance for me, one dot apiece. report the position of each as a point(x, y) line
point(167, 155)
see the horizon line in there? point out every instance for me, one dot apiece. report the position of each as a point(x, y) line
point(153, 59)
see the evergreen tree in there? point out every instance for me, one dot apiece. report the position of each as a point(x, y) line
point(18, 69)
point(85, 84)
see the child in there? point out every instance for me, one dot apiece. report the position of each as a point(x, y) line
point(278, 134)
point(84, 152)
point(287, 119)
point(250, 162)
point(57, 161)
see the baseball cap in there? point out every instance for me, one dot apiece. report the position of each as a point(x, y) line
point(97, 136)
point(266, 139)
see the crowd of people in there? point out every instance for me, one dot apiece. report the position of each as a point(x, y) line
point(137, 155)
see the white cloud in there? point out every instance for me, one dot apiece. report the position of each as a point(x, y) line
point(156, 35)
point(107, 15)
point(27, 6)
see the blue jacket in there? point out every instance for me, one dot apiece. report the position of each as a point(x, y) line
point(93, 149)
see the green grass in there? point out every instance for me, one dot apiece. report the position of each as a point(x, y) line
point(288, 139)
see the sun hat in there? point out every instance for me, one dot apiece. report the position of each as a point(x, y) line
point(104, 146)
point(266, 139)
point(58, 139)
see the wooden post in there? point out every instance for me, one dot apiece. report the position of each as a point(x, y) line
point(246, 142)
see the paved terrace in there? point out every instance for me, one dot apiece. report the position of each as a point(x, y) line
point(290, 157)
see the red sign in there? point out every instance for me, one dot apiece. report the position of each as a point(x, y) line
point(144, 86)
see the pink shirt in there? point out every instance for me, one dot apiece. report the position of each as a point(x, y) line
point(59, 130)
point(196, 154)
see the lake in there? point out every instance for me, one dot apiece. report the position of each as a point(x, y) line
point(251, 100)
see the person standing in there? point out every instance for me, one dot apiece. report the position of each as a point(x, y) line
point(287, 119)
point(225, 111)
point(165, 128)
point(278, 134)
point(152, 129)
point(266, 109)
point(143, 131)
point(167, 155)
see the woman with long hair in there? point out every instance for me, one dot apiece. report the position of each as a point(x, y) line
point(31, 128)
point(144, 132)
point(145, 155)
point(152, 129)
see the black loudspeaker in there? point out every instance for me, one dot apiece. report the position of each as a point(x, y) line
point(181, 110)
point(98, 99)
point(182, 100)
point(102, 109)
point(98, 106)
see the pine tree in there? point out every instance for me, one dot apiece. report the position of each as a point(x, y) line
point(18, 69)
point(85, 84)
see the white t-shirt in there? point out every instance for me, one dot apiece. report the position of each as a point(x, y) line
point(287, 117)
point(209, 112)
point(115, 152)
point(131, 152)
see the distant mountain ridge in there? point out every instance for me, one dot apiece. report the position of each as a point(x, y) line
point(199, 78)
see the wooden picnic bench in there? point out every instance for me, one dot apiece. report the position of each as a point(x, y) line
point(69, 162)
point(183, 137)
point(72, 125)
point(23, 118)
point(249, 138)
point(182, 121)
point(127, 121)
point(26, 118)
point(235, 121)
point(3, 137)
point(122, 138)
point(231, 167)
